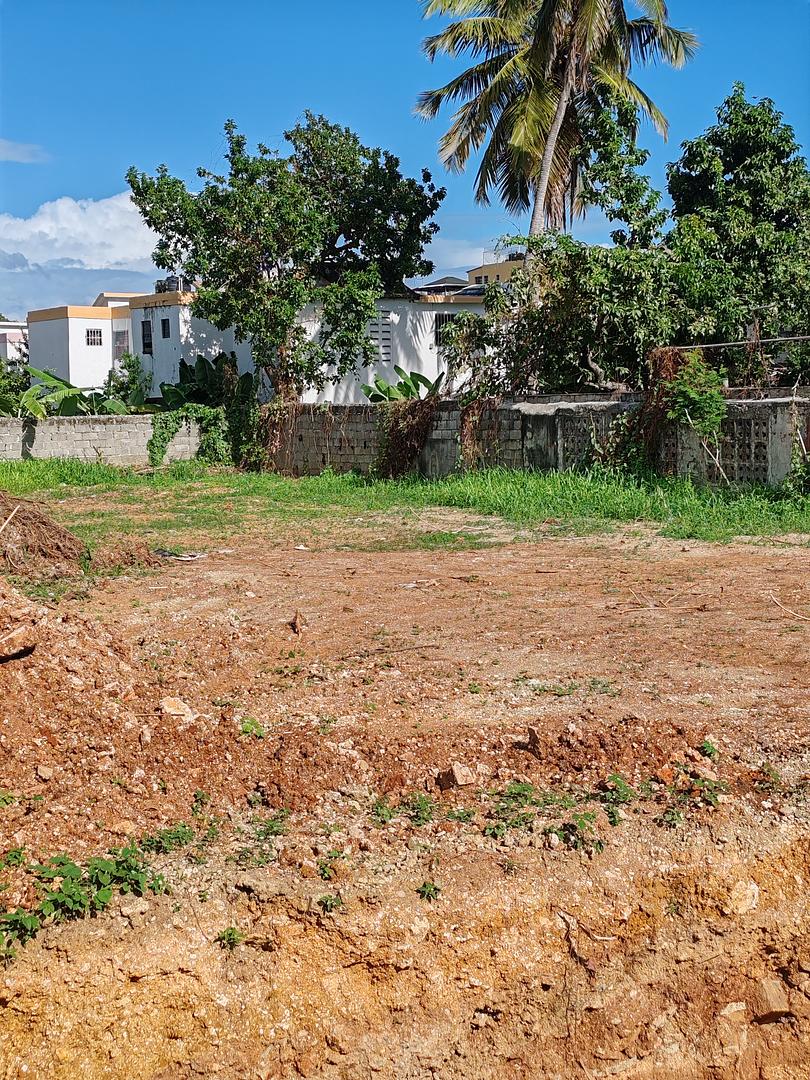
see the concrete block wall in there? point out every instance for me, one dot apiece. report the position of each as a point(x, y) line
point(313, 438)
point(112, 440)
point(544, 434)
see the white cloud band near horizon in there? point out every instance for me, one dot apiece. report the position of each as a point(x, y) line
point(95, 234)
point(22, 153)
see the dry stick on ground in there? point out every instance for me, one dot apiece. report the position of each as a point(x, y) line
point(795, 614)
point(9, 517)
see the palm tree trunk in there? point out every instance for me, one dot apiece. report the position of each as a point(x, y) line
point(538, 222)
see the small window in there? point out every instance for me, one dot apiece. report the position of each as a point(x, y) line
point(441, 321)
point(146, 337)
point(497, 277)
point(92, 337)
point(479, 280)
point(165, 328)
point(120, 343)
point(486, 279)
point(379, 330)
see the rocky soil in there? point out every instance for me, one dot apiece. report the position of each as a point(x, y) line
point(539, 811)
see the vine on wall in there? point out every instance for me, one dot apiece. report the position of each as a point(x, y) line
point(404, 427)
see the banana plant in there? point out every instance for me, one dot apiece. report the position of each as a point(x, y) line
point(52, 396)
point(408, 388)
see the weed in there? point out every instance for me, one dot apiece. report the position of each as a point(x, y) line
point(670, 818)
point(8, 798)
point(199, 803)
point(579, 833)
point(326, 724)
point(474, 688)
point(771, 778)
point(617, 793)
point(169, 839)
point(275, 825)
point(229, 938)
point(382, 812)
point(16, 929)
point(203, 896)
point(250, 726)
point(429, 891)
point(12, 858)
point(329, 903)
point(460, 814)
point(708, 750)
point(326, 866)
point(557, 689)
point(509, 867)
point(603, 686)
point(419, 808)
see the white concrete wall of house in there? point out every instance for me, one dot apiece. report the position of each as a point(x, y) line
point(188, 338)
point(89, 365)
point(49, 346)
point(412, 347)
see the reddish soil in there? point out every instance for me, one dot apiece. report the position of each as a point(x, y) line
point(674, 952)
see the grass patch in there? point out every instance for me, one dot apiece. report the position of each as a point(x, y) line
point(187, 497)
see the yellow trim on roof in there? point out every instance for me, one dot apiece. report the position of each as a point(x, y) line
point(162, 299)
point(96, 314)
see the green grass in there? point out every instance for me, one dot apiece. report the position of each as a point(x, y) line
point(189, 497)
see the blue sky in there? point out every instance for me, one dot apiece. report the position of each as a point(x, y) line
point(88, 88)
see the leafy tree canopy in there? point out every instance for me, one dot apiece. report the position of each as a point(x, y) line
point(741, 206)
point(330, 226)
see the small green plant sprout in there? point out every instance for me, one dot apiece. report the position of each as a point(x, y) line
point(603, 686)
point(170, 839)
point(382, 812)
point(474, 687)
point(329, 903)
point(327, 868)
point(274, 825)
point(579, 833)
point(429, 891)
point(557, 689)
point(708, 750)
point(465, 816)
point(8, 798)
point(617, 793)
point(12, 858)
point(670, 818)
point(200, 801)
point(770, 778)
point(251, 727)
point(419, 808)
point(229, 938)
point(16, 929)
point(325, 724)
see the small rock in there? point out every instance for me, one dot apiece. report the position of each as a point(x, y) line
point(552, 840)
point(743, 898)
point(771, 1003)
point(457, 775)
point(145, 736)
point(534, 740)
point(45, 772)
point(137, 906)
point(173, 706)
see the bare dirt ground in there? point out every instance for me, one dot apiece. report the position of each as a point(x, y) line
point(315, 715)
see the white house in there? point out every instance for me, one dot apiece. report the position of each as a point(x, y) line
point(81, 344)
point(12, 342)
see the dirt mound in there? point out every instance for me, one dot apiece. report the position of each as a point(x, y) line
point(124, 554)
point(30, 540)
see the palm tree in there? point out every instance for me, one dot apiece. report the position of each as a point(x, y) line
point(541, 66)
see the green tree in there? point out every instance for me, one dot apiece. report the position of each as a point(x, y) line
point(741, 204)
point(373, 215)
point(328, 228)
point(541, 67)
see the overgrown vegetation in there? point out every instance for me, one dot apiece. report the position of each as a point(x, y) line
point(588, 501)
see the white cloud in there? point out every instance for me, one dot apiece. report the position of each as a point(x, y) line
point(91, 233)
point(23, 153)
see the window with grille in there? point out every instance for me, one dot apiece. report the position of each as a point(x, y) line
point(92, 337)
point(379, 330)
point(441, 321)
point(146, 337)
point(120, 343)
point(165, 328)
